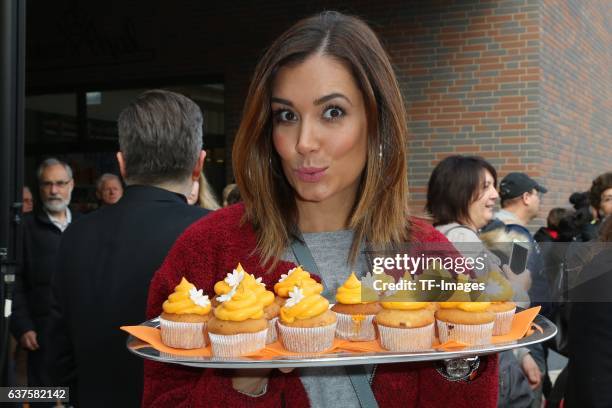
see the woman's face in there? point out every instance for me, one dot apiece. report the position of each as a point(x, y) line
point(481, 209)
point(319, 129)
point(606, 202)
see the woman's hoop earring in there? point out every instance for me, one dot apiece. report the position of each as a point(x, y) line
point(380, 154)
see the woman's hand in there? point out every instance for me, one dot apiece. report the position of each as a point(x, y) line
point(253, 381)
point(522, 280)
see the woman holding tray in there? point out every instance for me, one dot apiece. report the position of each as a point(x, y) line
point(320, 157)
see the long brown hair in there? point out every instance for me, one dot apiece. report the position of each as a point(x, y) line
point(605, 231)
point(380, 213)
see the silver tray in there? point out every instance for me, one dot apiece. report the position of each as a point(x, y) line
point(142, 349)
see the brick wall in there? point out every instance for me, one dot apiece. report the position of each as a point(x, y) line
point(470, 75)
point(575, 94)
point(479, 77)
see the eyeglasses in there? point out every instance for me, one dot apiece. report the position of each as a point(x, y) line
point(58, 184)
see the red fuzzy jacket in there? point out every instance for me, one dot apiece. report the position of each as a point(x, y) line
point(211, 248)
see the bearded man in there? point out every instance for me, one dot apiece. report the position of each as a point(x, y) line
point(42, 231)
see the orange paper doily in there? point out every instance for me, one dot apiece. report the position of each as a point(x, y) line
point(521, 326)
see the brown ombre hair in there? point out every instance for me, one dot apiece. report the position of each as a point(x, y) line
point(380, 212)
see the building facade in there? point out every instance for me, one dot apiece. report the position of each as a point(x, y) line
point(523, 83)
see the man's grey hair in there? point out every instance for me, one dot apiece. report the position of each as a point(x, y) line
point(103, 178)
point(52, 161)
point(160, 137)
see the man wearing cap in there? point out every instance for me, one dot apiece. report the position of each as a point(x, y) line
point(520, 201)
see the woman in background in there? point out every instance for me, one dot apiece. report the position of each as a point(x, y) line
point(203, 195)
point(461, 197)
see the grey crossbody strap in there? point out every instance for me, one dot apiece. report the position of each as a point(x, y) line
point(357, 374)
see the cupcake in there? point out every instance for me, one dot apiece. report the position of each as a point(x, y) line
point(184, 317)
point(406, 326)
point(355, 318)
point(238, 326)
point(504, 314)
point(306, 324)
point(468, 322)
point(499, 292)
point(295, 276)
point(265, 297)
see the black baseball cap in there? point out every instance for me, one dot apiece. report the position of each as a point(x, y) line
point(515, 184)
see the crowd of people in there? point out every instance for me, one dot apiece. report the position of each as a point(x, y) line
point(320, 157)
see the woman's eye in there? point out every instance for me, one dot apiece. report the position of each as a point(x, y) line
point(284, 115)
point(333, 112)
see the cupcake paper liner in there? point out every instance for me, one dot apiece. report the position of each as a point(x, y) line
point(472, 334)
point(408, 339)
point(307, 339)
point(182, 335)
point(235, 345)
point(503, 322)
point(272, 332)
point(349, 329)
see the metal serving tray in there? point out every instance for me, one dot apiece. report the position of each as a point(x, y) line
point(143, 350)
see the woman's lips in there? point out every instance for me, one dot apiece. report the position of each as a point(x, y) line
point(310, 174)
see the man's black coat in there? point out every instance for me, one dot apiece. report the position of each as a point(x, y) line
point(590, 335)
point(106, 263)
point(32, 300)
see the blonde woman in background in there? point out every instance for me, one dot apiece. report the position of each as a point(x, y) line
point(226, 191)
point(203, 195)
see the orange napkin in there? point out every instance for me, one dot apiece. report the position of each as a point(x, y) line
point(361, 346)
point(276, 349)
point(521, 326)
point(152, 336)
point(449, 345)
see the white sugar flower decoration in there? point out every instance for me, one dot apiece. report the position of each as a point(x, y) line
point(227, 296)
point(368, 281)
point(258, 280)
point(286, 275)
point(233, 279)
point(198, 297)
point(295, 296)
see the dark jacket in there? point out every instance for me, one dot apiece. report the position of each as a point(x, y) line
point(32, 298)
point(545, 235)
point(106, 262)
point(590, 336)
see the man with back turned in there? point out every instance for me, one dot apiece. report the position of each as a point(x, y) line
point(108, 258)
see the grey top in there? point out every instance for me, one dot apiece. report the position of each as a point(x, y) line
point(326, 386)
